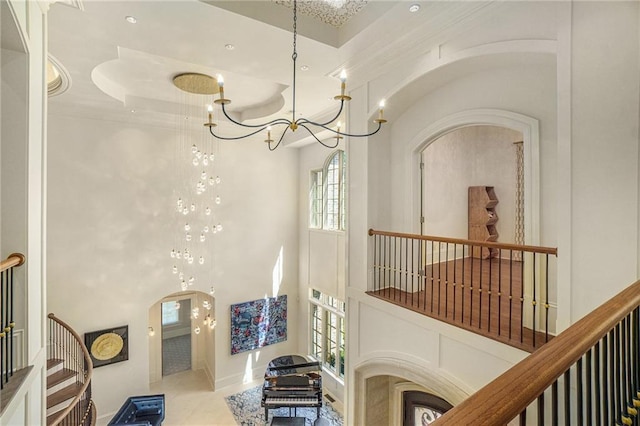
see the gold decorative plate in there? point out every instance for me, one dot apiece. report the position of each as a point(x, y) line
point(200, 84)
point(107, 346)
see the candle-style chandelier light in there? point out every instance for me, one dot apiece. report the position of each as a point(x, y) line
point(295, 122)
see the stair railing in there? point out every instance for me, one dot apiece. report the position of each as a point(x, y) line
point(587, 375)
point(502, 291)
point(7, 323)
point(65, 344)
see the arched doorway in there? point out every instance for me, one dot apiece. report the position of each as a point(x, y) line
point(381, 384)
point(179, 319)
point(421, 408)
point(469, 156)
point(527, 126)
point(176, 331)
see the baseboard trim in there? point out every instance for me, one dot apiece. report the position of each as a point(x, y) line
point(210, 377)
point(256, 373)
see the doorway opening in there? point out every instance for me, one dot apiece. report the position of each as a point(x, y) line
point(176, 336)
point(182, 335)
point(469, 156)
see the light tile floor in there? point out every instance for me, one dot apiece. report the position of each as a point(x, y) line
point(189, 400)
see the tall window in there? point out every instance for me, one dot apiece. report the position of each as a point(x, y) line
point(327, 195)
point(315, 199)
point(327, 331)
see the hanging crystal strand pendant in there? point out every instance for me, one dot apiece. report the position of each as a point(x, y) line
point(197, 174)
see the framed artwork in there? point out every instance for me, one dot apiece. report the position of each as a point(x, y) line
point(258, 323)
point(108, 346)
point(422, 409)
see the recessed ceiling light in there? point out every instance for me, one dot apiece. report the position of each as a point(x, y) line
point(131, 19)
point(304, 68)
point(414, 8)
point(229, 46)
point(133, 111)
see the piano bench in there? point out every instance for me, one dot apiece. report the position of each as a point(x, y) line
point(321, 422)
point(288, 421)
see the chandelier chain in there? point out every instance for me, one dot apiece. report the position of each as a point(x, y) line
point(295, 30)
point(294, 56)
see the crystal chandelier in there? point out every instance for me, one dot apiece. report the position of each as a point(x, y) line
point(196, 190)
point(295, 122)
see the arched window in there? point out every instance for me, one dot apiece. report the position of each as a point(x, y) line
point(327, 195)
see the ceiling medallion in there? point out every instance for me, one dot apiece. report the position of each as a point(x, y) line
point(200, 84)
point(332, 12)
point(295, 122)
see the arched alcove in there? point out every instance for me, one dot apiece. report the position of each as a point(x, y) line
point(465, 157)
point(382, 380)
point(195, 318)
point(527, 126)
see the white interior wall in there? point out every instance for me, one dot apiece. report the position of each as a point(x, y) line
point(14, 166)
point(210, 345)
point(469, 156)
point(531, 92)
point(23, 192)
point(604, 152)
point(183, 326)
point(321, 252)
point(436, 355)
point(111, 228)
point(155, 343)
point(321, 255)
point(526, 86)
point(596, 97)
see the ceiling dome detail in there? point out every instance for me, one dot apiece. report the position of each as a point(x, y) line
point(333, 12)
point(58, 78)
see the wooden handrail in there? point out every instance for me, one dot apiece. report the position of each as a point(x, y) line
point(507, 396)
point(87, 362)
point(503, 246)
point(14, 259)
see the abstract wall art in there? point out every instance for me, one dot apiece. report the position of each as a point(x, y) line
point(258, 323)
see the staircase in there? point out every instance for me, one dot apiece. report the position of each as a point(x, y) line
point(69, 372)
point(61, 388)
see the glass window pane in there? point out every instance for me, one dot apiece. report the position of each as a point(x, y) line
point(315, 199)
point(316, 331)
point(332, 200)
point(316, 294)
point(170, 315)
point(328, 335)
point(331, 341)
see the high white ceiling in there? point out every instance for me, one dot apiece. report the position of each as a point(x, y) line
point(117, 67)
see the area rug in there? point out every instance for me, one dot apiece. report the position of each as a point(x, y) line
point(176, 354)
point(247, 411)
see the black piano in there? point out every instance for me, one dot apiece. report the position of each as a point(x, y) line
point(292, 381)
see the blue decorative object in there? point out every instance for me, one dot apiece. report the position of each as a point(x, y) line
point(140, 410)
point(258, 323)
